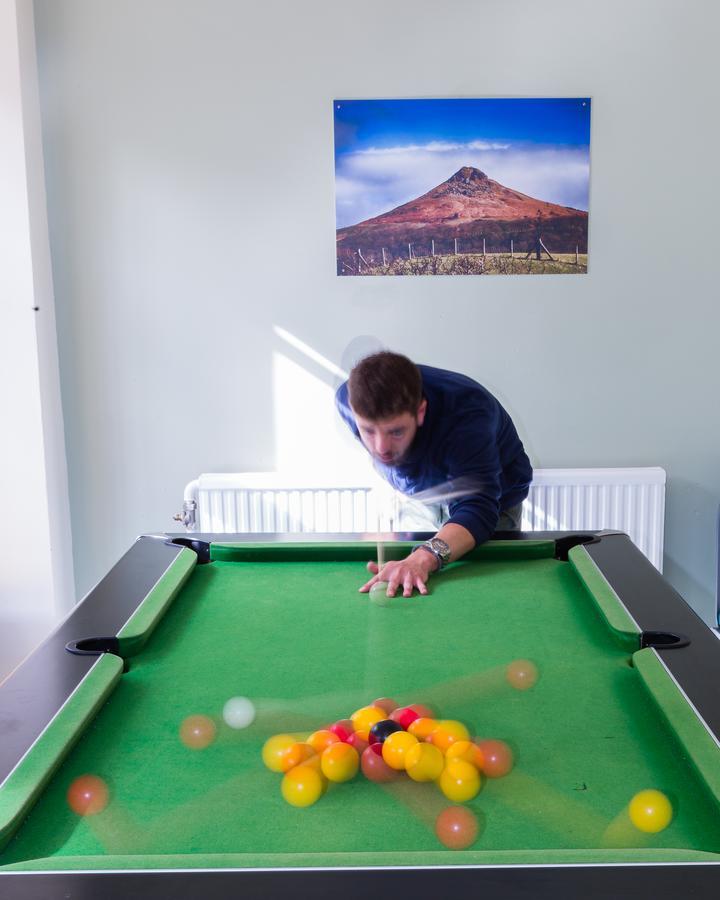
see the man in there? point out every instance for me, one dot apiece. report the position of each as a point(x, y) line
point(427, 428)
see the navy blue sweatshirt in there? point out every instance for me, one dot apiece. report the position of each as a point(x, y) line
point(467, 441)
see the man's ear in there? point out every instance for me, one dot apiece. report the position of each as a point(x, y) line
point(422, 409)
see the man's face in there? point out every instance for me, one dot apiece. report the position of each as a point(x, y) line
point(388, 440)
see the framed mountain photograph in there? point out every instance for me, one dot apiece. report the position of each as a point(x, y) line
point(462, 187)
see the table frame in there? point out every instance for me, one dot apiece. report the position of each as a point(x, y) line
point(32, 696)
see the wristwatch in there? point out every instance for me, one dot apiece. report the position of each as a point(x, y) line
point(439, 549)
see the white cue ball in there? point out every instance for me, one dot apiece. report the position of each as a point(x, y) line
point(238, 712)
point(378, 594)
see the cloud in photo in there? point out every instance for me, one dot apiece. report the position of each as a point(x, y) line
point(375, 180)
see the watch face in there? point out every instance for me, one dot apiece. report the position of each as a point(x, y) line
point(440, 547)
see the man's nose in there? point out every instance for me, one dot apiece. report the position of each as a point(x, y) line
point(382, 444)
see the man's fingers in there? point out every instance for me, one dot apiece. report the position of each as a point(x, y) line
point(399, 576)
point(368, 584)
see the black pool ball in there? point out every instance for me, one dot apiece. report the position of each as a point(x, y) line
point(383, 729)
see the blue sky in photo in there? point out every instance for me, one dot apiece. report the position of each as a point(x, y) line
point(388, 152)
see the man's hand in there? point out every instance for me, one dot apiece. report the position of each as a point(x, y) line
point(414, 571)
point(411, 572)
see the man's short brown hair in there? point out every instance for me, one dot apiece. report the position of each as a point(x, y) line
point(384, 385)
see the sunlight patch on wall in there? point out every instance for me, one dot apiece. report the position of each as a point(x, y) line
point(311, 354)
point(311, 440)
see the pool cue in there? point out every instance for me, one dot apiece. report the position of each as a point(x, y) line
point(380, 546)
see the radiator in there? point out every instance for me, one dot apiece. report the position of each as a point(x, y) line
point(630, 500)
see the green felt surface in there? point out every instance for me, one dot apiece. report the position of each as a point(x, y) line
point(297, 638)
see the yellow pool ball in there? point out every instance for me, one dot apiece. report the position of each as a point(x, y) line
point(460, 781)
point(650, 811)
point(395, 747)
point(274, 750)
point(303, 786)
point(364, 718)
point(339, 762)
point(424, 762)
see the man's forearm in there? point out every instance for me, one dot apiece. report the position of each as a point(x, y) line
point(458, 539)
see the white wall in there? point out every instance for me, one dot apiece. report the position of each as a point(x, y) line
point(189, 163)
point(36, 576)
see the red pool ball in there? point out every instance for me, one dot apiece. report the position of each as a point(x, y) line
point(386, 704)
point(457, 827)
point(88, 795)
point(404, 716)
point(343, 729)
point(497, 758)
point(522, 674)
point(360, 744)
point(197, 732)
point(375, 768)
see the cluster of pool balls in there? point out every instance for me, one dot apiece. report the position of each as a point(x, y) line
point(386, 741)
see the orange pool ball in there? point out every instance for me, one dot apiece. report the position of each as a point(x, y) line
point(497, 758)
point(88, 795)
point(457, 827)
point(446, 732)
point(321, 740)
point(522, 674)
point(197, 732)
point(422, 728)
point(466, 750)
point(295, 755)
point(340, 762)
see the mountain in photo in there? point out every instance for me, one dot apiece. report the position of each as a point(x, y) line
point(469, 207)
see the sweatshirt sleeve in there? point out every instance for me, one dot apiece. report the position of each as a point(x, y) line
point(474, 467)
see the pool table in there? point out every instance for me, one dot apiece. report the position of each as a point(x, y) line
point(627, 697)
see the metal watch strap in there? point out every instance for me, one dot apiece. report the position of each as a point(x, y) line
point(428, 545)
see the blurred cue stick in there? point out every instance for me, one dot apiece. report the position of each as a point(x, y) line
point(380, 546)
